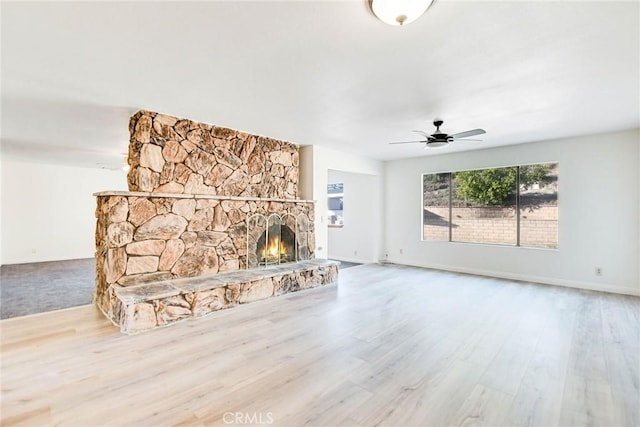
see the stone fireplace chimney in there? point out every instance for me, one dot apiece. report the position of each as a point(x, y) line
point(204, 201)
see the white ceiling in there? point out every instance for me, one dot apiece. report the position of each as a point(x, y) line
point(314, 72)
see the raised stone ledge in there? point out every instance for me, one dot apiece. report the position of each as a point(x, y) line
point(143, 307)
point(197, 196)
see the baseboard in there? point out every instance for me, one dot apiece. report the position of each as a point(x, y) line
point(44, 260)
point(356, 260)
point(525, 278)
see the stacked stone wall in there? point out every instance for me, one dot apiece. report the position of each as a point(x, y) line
point(183, 224)
point(172, 155)
point(142, 238)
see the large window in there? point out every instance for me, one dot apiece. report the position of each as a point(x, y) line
point(516, 205)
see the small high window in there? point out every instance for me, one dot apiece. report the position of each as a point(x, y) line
point(335, 199)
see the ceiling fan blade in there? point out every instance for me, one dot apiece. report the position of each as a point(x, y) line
point(406, 142)
point(466, 139)
point(426, 135)
point(468, 133)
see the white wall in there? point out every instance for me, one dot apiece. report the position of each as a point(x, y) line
point(315, 164)
point(1, 202)
point(599, 199)
point(48, 211)
point(358, 240)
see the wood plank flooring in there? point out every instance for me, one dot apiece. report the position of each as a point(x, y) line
point(388, 346)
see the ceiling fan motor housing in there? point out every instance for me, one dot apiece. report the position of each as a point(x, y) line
point(439, 136)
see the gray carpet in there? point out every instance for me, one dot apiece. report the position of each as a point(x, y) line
point(45, 286)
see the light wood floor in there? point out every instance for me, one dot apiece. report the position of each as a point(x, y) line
point(389, 345)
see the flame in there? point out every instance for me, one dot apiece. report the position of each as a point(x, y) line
point(274, 249)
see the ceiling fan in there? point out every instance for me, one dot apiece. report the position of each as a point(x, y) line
point(440, 139)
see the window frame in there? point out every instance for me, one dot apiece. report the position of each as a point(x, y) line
point(518, 207)
point(335, 196)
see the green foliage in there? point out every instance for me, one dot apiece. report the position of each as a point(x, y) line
point(486, 186)
point(435, 178)
point(533, 174)
point(496, 186)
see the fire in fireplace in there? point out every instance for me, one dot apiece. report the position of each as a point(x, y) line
point(276, 245)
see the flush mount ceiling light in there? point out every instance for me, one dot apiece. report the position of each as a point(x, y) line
point(399, 12)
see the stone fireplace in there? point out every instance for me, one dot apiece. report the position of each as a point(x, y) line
point(211, 220)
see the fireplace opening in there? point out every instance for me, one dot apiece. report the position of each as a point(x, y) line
point(276, 245)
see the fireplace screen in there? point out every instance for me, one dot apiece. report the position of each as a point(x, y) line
point(276, 245)
point(276, 239)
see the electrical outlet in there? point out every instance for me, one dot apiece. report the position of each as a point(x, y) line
point(401, 252)
point(355, 252)
point(598, 271)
